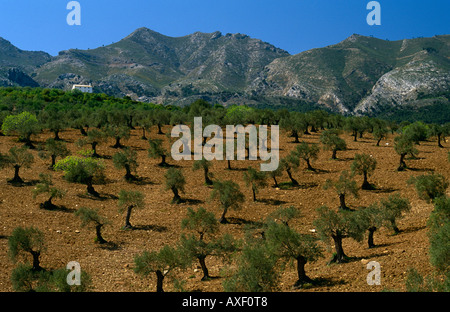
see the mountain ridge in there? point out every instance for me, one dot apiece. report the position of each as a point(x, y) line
point(359, 75)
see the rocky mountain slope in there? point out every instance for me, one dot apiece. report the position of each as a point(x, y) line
point(360, 75)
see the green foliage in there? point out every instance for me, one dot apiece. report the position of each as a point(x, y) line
point(25, 279)
point(94, 137)
point(416, 132)
point(256, 270)
point(200, 221)
point(88, 216)
point(430, 186)
point(24, 124)
point(82, 170)
point(439, 235)
point(284, 215)
point(289, 245)
point(238, 114)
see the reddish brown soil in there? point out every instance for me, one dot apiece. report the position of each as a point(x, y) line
point(111, 267)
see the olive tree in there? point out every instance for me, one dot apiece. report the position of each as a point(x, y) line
point(45, 186)
point(24, 241)
point(307, 152)
point(338, 225)
point(17, 158)
point(344, 186)
point(206, 243)
point(256, 270)
point(127, 201)
point(256, 179)
point(83, 170)
point(205, 165)
point(430, 186)
point(53, 149)
point(94, 137)
point(364, 164)
point(161, 262)
point(156, 150)
point(91, 217)
point(392, 209)
point(288, 244)
point(331, 141)
point(126, 159)
point(403, 146)
point(290, 163)
point(229, 196)
point(175, 181)
point(24, 125)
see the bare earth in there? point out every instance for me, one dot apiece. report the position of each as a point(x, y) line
point(111, 266)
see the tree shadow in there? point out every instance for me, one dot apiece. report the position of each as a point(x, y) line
point(319, 171)
point(141, 181)
point(191, 201)
point(150, 227)
point(111, 246)
point(290, 186)
point(420, 169)
point(413, 229)
point(240, 221)
point(320, 282)
point(383, 190)
point(271, 201)
point(100, 197)
point(23, 183)
point(59, 208)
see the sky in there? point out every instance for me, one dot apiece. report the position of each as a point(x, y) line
point(292, 25)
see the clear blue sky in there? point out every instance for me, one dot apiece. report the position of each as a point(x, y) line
point(293, 25)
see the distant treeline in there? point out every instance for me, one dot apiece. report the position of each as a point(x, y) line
point(93, 107)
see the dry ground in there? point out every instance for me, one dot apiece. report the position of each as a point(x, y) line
point(111, 267)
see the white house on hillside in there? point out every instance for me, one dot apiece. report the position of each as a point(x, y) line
point(83, 88)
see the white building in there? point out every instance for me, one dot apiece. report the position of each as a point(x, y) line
point(83, 88)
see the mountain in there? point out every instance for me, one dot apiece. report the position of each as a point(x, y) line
point(360, 75)
point(16, 65)
point(147, 65)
